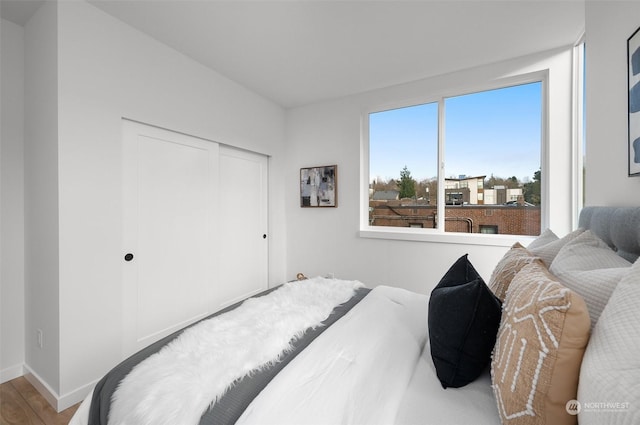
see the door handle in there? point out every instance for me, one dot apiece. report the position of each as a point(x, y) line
point(128, 256)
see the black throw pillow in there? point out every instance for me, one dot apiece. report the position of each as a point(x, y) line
point(464, 316)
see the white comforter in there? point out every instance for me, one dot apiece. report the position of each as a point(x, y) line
point(356, 372)
point(371, 367)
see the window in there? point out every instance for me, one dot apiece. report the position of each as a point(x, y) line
point(488, 229)
point(490, 146)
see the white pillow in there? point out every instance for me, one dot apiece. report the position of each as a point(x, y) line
point(610, 371)
point(587, 252)
point(548, 251)
point(588, 266)
point(544, 238)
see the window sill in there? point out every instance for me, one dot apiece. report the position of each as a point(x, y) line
point(434, 236)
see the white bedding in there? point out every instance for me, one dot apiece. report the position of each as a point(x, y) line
point(356, 372)
point(371, 367)
point(426, 402)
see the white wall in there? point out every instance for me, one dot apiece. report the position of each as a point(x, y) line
point(106, 71)
point(41, 195)
point(322, 241)
point(12, 202)
point(609, 25)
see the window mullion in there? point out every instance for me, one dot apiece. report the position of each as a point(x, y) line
point(441, 159)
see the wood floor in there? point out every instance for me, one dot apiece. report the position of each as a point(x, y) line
point(20, 403)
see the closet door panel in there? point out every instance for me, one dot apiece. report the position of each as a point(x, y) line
point(170, 219)
point(243, 224)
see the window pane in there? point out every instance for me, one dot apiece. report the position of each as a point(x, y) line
point(492, 160)
point(403, 157)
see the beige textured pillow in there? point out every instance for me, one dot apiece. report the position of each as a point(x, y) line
point(513, 261)
point(537, 356)
point(549, 251)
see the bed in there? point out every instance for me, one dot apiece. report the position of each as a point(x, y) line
point(369, 357)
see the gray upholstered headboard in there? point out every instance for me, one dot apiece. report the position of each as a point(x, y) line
point(619, 227)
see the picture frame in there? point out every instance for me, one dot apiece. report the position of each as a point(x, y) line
point(319, 187)
point(633, 85)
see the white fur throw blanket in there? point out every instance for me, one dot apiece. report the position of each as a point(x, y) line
point(178, 383)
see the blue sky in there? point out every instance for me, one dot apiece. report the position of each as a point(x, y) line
point(495, 132)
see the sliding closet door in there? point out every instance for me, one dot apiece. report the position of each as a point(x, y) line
point(170, 222)
point(243, 224)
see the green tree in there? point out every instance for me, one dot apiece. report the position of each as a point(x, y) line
point(531, 190)
point(406, 185)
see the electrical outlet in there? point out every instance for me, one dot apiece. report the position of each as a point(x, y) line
point(329, 275)
point(39, 338)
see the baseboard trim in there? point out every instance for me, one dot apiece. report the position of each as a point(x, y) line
point(75, 396)
point(42, 387)
point(11, 372)
point(57, 401)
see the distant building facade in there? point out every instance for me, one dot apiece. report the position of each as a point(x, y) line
point(492, 219)
point(471, 191)
point(386, 195)
point(470, 208)
point(464, 190)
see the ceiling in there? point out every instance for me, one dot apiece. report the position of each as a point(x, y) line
point(301, 52)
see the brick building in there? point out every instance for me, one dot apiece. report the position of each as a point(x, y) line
point(497, 219)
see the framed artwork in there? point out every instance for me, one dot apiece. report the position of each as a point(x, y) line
point(633, 70)
point(319, 186)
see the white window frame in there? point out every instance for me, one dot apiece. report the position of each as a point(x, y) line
point(438, 234)
point(578, 135)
